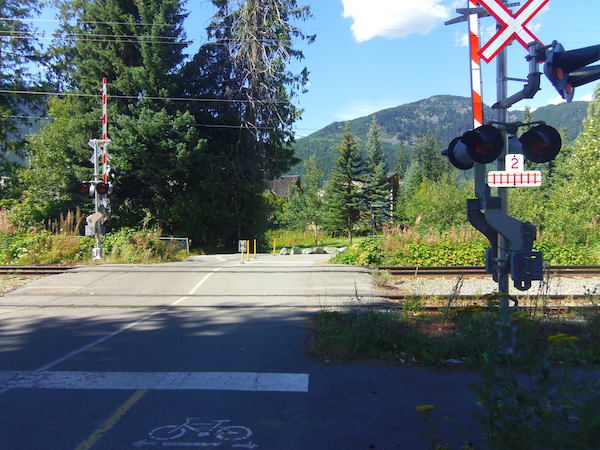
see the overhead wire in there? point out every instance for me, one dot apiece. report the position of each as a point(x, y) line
point(98, 40)
point(137, 97)
point(89, 22)
point(198, 125)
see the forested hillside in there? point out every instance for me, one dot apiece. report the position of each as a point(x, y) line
point(444, 115)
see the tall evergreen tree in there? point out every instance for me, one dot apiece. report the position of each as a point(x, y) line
point(343, 196)
point(305, 207)
point(246, 64)
point(18, 53)
point(427, 156)
point(377, 189)
point(402, 161)
point(138, 47)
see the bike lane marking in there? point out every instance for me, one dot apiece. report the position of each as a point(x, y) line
point(105, 427)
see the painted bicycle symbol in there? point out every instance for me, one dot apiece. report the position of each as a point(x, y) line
point(205, 430)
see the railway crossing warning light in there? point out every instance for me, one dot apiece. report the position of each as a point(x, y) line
point(103, 188)
point(481, 145)
point(567, 69)
point(541, 144)
point(90, 187)
point(85, 188)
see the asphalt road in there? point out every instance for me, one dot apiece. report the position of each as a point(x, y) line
point(205, 353)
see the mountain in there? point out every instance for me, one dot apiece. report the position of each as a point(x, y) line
point(446, 116)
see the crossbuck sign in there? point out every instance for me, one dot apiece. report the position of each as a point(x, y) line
point(513, 25)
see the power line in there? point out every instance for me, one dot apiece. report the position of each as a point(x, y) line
point(136, 97)
point(13, 19)
point(39, 118)
point(98, 40)
point(41, 33)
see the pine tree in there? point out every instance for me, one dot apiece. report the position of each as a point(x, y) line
point(343, 196)
point(377, 189)
point(247, 65)
point(306, 205)
point(402, 161)
point(138, 47)
point(427, 156)
point(18, 52)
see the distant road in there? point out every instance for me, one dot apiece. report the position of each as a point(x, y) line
point(207, 352)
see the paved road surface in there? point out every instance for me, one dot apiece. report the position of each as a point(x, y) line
point(205, 353)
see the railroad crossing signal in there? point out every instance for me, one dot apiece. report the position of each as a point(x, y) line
point(481, 145)
point(541, 144)
point(567, 69)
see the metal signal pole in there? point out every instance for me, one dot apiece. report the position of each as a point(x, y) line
point(506, 334)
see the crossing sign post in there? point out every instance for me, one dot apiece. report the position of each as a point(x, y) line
point(512, 26)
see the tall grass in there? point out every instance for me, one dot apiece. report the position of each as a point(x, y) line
point(306, 239)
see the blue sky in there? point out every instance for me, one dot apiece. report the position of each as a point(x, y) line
point(374, 54)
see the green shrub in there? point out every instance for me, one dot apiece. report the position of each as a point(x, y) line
point(370, 252)
point(350, 257)
point(381, 277)
point(560, 253)
point(446, 254)
point(139, 246)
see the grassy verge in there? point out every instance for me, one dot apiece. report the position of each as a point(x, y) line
point(123, 246)
point(464, 335)
point(306, 239)
point(537, 398)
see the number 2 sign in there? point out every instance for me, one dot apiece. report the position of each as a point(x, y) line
point(515, 163)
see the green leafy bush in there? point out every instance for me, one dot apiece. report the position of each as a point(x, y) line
point(350, 256)
point(447, 254)
point(560, 253)
point(127, 245)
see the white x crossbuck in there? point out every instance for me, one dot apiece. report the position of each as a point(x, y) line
point(513, 26)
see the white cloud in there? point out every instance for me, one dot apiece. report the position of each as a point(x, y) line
point(462, 40)
point(585, 98)
point(488, 32)
point(535, 28)
point(556, 100)
point(393, 18)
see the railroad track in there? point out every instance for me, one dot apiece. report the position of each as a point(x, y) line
point(479, 270)
point(34, 270)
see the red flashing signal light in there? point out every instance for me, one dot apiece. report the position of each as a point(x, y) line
point(481, 145)
point(541, 144)
point(567, 70)
point(102, 188)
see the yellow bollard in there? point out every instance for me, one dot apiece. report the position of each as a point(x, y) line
point(248, 247)
point(254, 248)
point(274, 244)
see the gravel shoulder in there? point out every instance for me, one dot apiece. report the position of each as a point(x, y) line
point(9, 283)
point(443, 286)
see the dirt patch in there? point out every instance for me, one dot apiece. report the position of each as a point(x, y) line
point(9, 283)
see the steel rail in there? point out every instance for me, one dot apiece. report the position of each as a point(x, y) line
point(34, 270)
point(480, 270)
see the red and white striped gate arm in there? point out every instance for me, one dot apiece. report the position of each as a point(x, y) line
point(476, 84)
